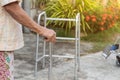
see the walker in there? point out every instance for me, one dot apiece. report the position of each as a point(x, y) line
point(51, 56)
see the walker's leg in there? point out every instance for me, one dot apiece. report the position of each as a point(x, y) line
point(36, 69)
point(78, 55)
point(44, 53)
point(36, 56)
point(44, 47)
point(78, 47)
point(75, 73)
point(50, 67)
point(78, 25)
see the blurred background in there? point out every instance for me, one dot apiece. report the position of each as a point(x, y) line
point(100, 19)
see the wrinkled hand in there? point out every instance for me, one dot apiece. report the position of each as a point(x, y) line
point(49, 34)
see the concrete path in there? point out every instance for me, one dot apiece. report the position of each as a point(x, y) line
point(93, 66)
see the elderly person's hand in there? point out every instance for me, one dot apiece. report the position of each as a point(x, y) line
point(50, 35)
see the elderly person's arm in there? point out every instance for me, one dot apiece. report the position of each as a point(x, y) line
point(20, 15)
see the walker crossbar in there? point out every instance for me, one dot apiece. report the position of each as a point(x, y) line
point(64, 38)
point(60, 19)
point(60, 56)
point(77, 45)
point(56, 56)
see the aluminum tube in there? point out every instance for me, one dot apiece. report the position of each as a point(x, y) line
point(50, 66)
point(36, 56)
point(44, 43)
point(41, 58)
point(65, 38)
point(37, 45)
point(79, 42)
point(60, 56)
point(35, 74)
point(39, 17)
point(76, 51)
point(60, 19)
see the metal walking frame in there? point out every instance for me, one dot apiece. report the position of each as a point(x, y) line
point(77, 45)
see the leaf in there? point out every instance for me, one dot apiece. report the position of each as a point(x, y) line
point(66, 9)
point(88, 26)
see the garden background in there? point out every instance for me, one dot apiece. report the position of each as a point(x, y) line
point(99, 27)
point(99, 19)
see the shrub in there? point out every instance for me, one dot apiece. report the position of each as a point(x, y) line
point(104, 19)
point(69, 9)
point(94, 17)
point(101, 22)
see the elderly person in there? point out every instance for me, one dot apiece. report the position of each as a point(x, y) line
point(11, 37)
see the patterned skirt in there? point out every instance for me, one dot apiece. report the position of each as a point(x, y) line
point(6, 65)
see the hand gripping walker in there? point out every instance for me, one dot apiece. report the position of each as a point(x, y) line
point(77, 45)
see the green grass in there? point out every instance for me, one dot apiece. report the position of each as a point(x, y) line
point(102, 39)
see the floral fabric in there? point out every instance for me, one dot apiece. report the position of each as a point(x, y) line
point(6, 65)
